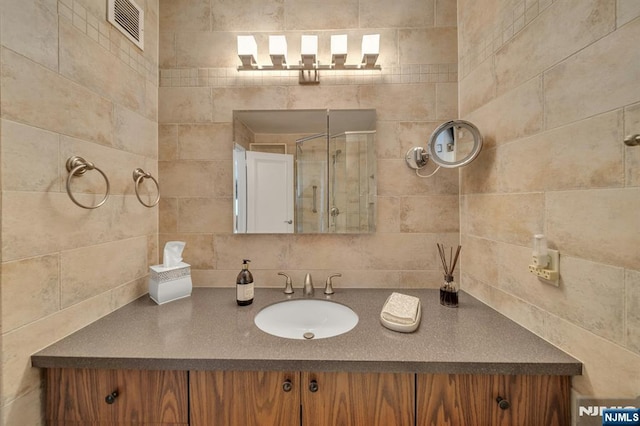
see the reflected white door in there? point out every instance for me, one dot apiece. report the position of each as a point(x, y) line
point(269, 193)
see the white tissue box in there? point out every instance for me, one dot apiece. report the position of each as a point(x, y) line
point(167, 284)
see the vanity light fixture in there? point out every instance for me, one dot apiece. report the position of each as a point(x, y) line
point(247, 51)
point(309, 65)
point(278, 51)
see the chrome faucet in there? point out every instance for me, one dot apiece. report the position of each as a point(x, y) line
point(308, 286)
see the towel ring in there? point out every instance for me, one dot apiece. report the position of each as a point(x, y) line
point(77, 166)
point(138, 176)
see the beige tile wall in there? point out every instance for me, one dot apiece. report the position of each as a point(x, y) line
point(553, 86)
point(70, 85)
point(415, 91)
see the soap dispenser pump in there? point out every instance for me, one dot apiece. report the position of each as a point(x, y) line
point(244, 285)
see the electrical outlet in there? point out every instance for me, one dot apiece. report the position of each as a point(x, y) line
point(550, 274)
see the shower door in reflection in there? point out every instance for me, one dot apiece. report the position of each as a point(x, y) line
point(352, 182)
point(311, 184)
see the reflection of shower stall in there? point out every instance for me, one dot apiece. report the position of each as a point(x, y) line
point(345, 202)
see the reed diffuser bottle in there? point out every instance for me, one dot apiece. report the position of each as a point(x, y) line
point(449, 291)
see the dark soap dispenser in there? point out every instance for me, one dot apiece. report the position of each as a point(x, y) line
point(244, 285)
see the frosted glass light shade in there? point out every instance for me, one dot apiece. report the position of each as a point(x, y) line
point(370, 49)
point(339, 44)
point(309, 50)
point(247, 50)
point(278, 50)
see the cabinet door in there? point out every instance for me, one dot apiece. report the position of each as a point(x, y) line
point(358, 399)
point(247, 398)
point(117, 397)
point(471, 400)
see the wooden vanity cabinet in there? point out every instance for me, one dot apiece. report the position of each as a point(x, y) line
point(251, 398)
point(116, 397)
point(496, 400)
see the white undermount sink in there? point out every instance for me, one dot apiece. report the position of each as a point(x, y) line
point(306, 319)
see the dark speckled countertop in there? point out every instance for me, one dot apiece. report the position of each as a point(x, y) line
point(208, 331)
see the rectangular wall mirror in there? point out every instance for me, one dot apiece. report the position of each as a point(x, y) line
point(304, 171)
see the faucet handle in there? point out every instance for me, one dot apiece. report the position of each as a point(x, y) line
point(328, 288)
point(288, 287)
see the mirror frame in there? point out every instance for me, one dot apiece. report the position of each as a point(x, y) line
point(477, 143)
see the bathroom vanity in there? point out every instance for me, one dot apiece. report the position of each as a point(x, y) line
point(202, 361)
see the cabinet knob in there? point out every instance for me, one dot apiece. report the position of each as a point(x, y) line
point(313, 386)
point(287, 386)
point(503, 403)
point(111, 398)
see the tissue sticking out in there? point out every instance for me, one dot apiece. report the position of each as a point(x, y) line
point(172, 279)
point(172, 254)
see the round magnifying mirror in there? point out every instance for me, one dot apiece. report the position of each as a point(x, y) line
point(454, 144)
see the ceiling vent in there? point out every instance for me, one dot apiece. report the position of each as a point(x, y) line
point(128, 17)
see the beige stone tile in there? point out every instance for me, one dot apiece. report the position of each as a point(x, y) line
point(151, 99)
point(553, 161)
point(626, 11)
point(632, 281)
point(206, 141)
point(430, 214)
point(34, 95)
point(319, 15)
point(36, 223)
point(30, 290)
point(632, 153)
point(601, 77)
point(327, 252)
point(167, 142)
point(251, 15)
point(598, 225)
point(506, 218)
point(412, 134)
point(590, 295)
point(428, 45)
point(30, 28)
point(564, 28)
point(185, 15)
point(87, 63)
point(22, 145)
point(207, 50)
point(135, 133)
point(479, 87)
point(399, 251)
point(396, 179)
point(26, 410)
point(404, 102)
point(265, 251)
point(479, 259)
point(318, 97)
point(18, 377)
point(189, 178)
point(475, 19)
point(225, 100)
point(520, 111)
point(95, 7)
point(446, 13)
point(404, 13)
point(609, 370)
point(92, 270)
point(447, 101)
point(184, 105)
point(151, 34)
point(167, 49)
point(168, 212)
point(481, 175)
point(205, 215)
point(388, 140)
point(130, 291)
point(129, 218)
point(388, 214)
point(199, 249)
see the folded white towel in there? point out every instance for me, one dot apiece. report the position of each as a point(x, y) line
point(401, 309)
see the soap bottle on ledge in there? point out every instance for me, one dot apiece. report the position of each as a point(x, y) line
point(244, 285)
